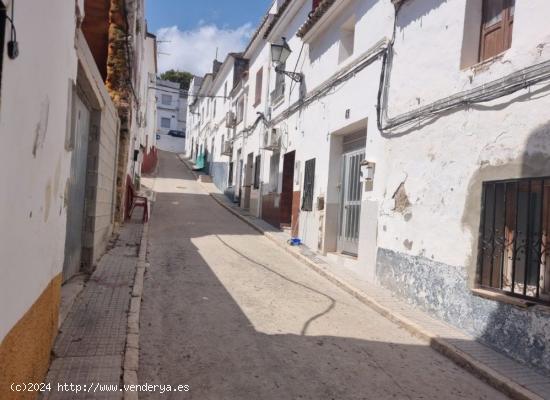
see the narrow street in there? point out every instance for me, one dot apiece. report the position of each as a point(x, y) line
point(228, 313)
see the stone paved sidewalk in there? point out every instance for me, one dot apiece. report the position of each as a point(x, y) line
point(89, 348)
point(507, 375)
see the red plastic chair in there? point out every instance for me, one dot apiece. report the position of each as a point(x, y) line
point(138, 201)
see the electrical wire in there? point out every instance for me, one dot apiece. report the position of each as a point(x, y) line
point(292, 83)
point(11, 19)
point(496, 89)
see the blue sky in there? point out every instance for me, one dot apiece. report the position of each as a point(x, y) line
point(187, 13)
point(191, 31)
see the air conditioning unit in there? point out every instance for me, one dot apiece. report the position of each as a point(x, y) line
point(272, 140)
point(230, 120)
point(227, 149)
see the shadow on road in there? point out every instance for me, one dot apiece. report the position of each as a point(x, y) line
point(231, 315)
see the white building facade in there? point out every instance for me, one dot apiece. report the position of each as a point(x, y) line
point(406, 141)
point(60, 161)
point(171, 115)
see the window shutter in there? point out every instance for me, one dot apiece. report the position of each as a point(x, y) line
point(309, 184)
point(496, 28)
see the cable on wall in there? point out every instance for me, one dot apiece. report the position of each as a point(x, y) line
point(13, 45)
point(507, 85)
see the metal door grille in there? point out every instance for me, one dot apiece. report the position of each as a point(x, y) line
point(351, 202)
point(513, 248)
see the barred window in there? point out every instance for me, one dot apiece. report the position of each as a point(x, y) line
point(514, 253)
point(309, 184)
point(230, 178)
point(257, 164)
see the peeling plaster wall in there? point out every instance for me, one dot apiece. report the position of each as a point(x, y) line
point(443, 291)
point(34, 165)
point(427, 240)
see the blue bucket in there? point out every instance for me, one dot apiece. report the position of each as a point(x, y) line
point(295, 242)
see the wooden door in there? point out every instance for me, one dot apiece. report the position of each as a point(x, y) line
point(288, 188)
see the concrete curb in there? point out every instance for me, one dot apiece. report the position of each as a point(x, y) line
point(464, 360)
point(131, 352)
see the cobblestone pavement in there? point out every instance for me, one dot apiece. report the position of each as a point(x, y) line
point(233, 316)
point(89, 348)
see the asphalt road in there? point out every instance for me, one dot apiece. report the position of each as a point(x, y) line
point(233, 316)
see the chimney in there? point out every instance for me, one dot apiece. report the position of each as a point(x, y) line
point(216, 66)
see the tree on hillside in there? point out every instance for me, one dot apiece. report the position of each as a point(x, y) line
point(181, 77)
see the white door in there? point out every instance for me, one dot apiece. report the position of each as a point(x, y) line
point(350, 203)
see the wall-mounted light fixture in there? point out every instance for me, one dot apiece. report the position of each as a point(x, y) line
point(279, 55)
point(367, 171)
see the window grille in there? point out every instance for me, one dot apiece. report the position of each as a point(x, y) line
point(309, 184)
point(514, 253)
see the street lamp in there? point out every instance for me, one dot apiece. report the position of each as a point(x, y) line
point(279, 55)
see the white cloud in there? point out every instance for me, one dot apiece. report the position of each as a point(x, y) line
point(194, 50)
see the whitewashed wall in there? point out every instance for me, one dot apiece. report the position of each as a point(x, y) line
point(449, 152)
point(34, 165)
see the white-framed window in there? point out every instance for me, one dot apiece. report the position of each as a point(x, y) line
point(166, 99)
point(165, 123)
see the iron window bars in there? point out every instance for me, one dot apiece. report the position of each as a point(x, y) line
point(514, 244)
point(309, 182)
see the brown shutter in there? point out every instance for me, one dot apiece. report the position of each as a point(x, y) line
point(496, 28)
point(259, 80)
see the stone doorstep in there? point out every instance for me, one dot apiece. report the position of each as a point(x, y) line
point(523, 383)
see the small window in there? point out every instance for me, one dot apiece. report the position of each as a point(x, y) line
point(166, 99)
point(347, 39)
point(496, 27)
point(514, 243)
point(257, 164)
point(225, 92)
point(259, 79)
point(309, 185)
point(230, 178)
point(214, 112)
point(165, 123)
